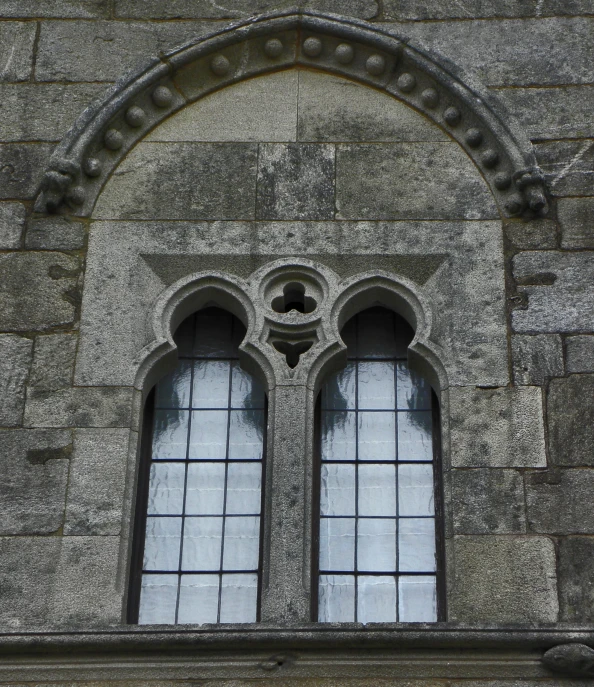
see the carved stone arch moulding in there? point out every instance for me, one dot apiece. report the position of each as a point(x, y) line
point(106, 131)
point(293, 311)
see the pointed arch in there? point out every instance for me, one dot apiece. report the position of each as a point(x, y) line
point(106, 131)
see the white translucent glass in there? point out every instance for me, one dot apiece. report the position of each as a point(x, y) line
point(415, 490)
point(376, 545)
point(376, 386)
point(377, 436)
point(244, 494)
point(416, 545)
point(239, 598)
point(173, 391)
point(211, 384)
point(246, 391)
point(166, 489)
point(337, 489)
point(413, 392)
point(242, 543)
point(376, 599)
point(198, 599)
point(208, 435)
point(202, 544)
point(337, 544)
point(170, 434)
point(246, 433)
point(377, 490)
point(161, 544)
point(213, 335)
point(417, 599)
point(415, 440)
point(339, 440)
point(336, 599)
point(376, 334)
point(158, 598)
point(339, 390)
point(205, 490)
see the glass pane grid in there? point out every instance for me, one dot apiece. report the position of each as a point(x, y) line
point(202, 542)
point(377, 520)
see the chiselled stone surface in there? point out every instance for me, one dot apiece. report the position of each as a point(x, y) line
point(183, 181)
point(364, 9)
point(576, 584)
point(61, 9)
point(336, 109)
point(552, 112)
point(560, 501)
point(535, 358)
point(559, 290)
point(576, 217)
point(16, 50)
point(42, 112)
point(96, 485)
point(295, 181)
point(12, 223)
point(22, 167)
point(15, 359)
point(567, 166)
point(418, 10)
point(47, 300)
point(488, 502)
point(54, 233)
point(409, 180)
point(497, 427)
point(104, 50)
point(259, 109)
point(504, 579)
point(571, 420)
point(513, 53)
point(53, 363)
point(580, 353)
point(533, 235)
point(34, 465)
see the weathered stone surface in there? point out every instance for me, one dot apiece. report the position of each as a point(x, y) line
point(536, 234)
point(488, 502)
point(416, 10)
point(561, 7)
point(295, 181)
point(336, 109)
point(510, 52)
point(183, 181)
point(259, 109)
point(576, 584)
point(53, 363)
point(22, 167)
point(199, 9)
point(570, 413)
point(559, 290)
point(104, 50)
point(96, 485)
point(16, 50)
point(61, 9)
point(497, 427)
point(579, 353)
point(42, 112)
point(15, 359)
point(552, 112)
point(80, 407)
point(47, 298)
point(409, 180)
point(504, 579)
point(34, 465)
point(560, 502)
point(12, 223)
point(576, 217)
point(567, 166)
point(55, 233)
point(535, 358)
point(85, 592)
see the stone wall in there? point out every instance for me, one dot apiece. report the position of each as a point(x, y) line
point(519, 332)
